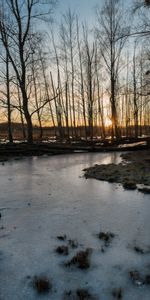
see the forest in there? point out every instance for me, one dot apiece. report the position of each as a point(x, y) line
point(68, 79)
point(74, 150)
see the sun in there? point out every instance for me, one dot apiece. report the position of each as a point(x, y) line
point(108, 122)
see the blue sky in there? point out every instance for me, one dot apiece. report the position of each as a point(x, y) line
point(84, 8)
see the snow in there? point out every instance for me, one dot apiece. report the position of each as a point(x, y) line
point(131, 145)
point(43, 197)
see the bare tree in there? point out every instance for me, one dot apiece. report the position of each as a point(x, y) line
point(99, 93)
point(111, 36)
point(17, 26)
point(89, 63)
point(10, 137)
point(135, 95)
point(69, 32)
point(81, 77)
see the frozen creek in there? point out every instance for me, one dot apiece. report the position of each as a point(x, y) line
point(41, 198)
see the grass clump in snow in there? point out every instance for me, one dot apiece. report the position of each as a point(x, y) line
point(79, 294)
point(73, 243)
point(81, 259)
point(62, 237)
point(42, 285)
point(106, 238)
point(136, 277)
point(62, 250)
point(117, 293)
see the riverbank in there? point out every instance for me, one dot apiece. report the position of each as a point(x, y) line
point(133, 172)
point(66, 147)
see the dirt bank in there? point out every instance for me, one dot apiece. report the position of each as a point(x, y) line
point(66, 147)
point(133, 172)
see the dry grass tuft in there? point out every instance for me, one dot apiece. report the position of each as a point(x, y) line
point(42, 284)
point(81, 259)
point(62, 250)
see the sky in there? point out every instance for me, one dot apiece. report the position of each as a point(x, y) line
point(84, 8)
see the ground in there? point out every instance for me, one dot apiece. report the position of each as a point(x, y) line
point(63, 237)
point(132, 172)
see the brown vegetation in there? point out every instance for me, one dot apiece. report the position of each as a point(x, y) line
point(106, 237)
point(81, 259)
point(62, 237)
point(135, 169)
point(42, 284)
point(79, 294)
point(62, 250)
point(117, 293)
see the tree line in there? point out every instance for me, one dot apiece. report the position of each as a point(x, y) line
point(81, 81)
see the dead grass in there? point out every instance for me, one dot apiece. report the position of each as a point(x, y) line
point(144, 190)
point(147, 279)
point(106, 237)
point(84, 294)
point(129, 185)
point(141, 250)
point(133, 170)
point(139, 279)
point(136, 277)
point(81, 259)
point(117, 293)
point(138, 249)
point(73, 243)
point(62, 250)
point(79, 294)
point(42, 284)
point(62, 237)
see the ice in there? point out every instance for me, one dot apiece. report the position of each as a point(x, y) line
point(45, 197)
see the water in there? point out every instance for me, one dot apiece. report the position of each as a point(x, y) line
point(43, 197)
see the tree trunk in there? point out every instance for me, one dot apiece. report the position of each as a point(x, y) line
point(36, 100)
point(135, 96)
point(27, 116)
point(10, 137)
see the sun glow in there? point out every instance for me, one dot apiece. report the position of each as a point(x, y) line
point(108, 122)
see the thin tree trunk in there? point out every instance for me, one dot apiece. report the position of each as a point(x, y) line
point(10, 137)
point(100, 110)
point(82, 82)
point(135, 96)
point(66, 111)
point(36, 101)
point(21, 114)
